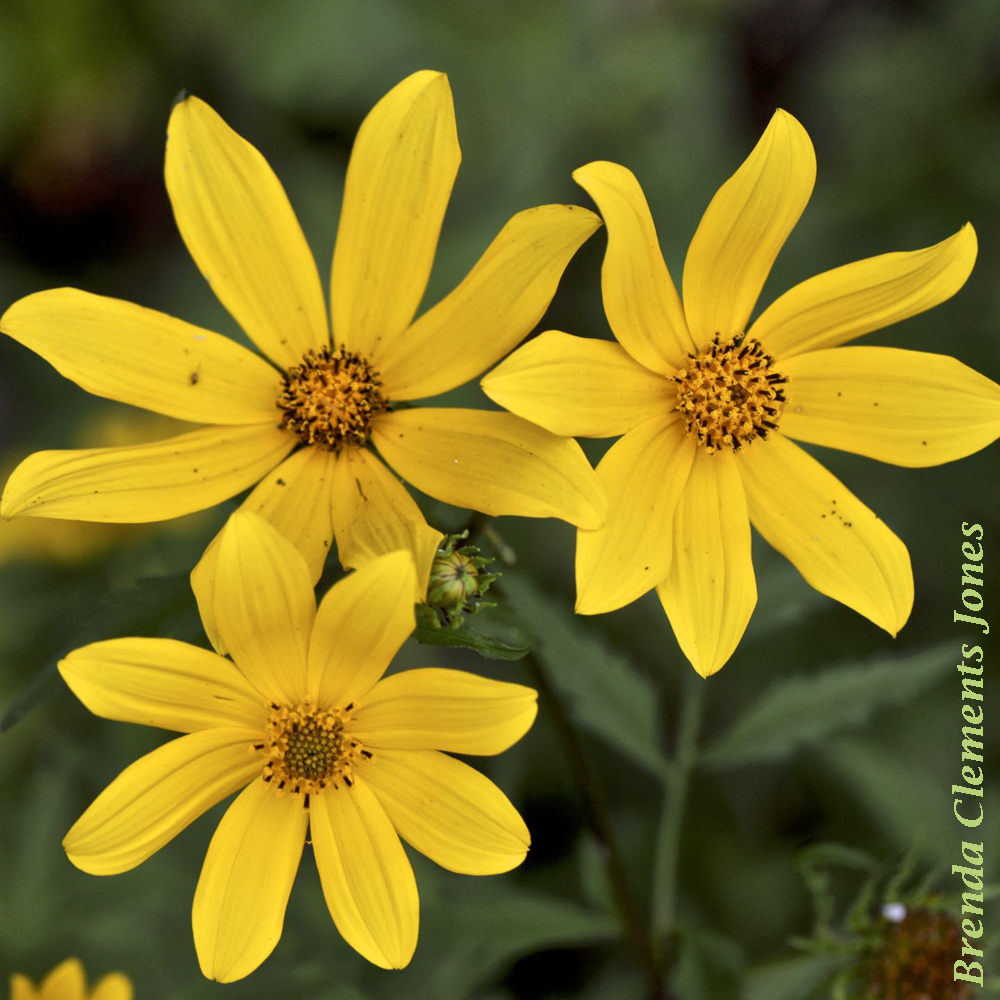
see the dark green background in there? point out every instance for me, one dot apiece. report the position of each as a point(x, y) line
point(856, 739)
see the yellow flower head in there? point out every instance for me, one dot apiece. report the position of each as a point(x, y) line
point(707, 404)
point(298, 421)
point(303, 722)
point(68, 981)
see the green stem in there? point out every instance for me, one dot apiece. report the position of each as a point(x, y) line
point(668, 839)
point(595, 805)
point(598, 817)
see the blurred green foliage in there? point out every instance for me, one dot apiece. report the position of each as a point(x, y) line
point(820, 729)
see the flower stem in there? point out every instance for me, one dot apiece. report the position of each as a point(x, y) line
point(599, 819)
point(595, 804)
point(671, 818)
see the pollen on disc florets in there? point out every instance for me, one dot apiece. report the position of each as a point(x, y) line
point(308, 749)
point(730, 394)
point(330, 398)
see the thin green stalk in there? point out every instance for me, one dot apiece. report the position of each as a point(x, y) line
point(595, 805)
point(598, 817)
point(668, 841)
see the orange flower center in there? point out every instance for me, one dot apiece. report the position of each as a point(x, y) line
point(308, 749)
point(331, 397)
point(730, 394)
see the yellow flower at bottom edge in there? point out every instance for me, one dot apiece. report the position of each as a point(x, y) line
point(69, 982)
point(707, 408)
point(318, 741)
point(327, 396)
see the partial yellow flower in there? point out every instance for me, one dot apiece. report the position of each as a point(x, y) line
point(68, 981)
point(707, 407)
point(298, 424)
point(301, 720)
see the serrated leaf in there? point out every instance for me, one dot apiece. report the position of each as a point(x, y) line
point(467, 638)
point(810, 708)
point(604, 691)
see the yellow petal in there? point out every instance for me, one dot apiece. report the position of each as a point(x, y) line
point(903, 407)
point(367, 880)
point(839, 546)
point(711, 591)
point(744, 228)
point(360, 625)
point(22, 988)
point(203, 583)
point(241, 231)
point(847, 302)
point(264, 606)
point(294, 498)
point(492, 462)
point(66, 981)
point(448, 811)
point(155, 798)
point(498, 303)
point(640, 299)
point(239, 905)
point(162, 682)
point(644, 474)
point(399, 179)
point(578, 387)
point(114, 986)
point(145, 482)
point(436, 709)
point(134, 355)
point(373, 514)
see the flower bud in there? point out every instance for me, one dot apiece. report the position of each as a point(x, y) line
point(454, 581)
point(457, 584)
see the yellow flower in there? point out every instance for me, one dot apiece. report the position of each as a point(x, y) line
point(69, 982)
point(327, 396)
point(305, 725)
point(707, 407)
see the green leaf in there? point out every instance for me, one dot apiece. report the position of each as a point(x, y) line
point(810, 708)
point(468, 638)
point(791, 979)
point(475, 939)
point(47, 627)
point(42, 686)
point(604, 691)
point(834, 855)
point(708, 965)
point(893, 793)
point(813, 863)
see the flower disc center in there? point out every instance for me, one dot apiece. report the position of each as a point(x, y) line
point(730, 393)
point(330, 398)
point(913, 959)
point(308, 749)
